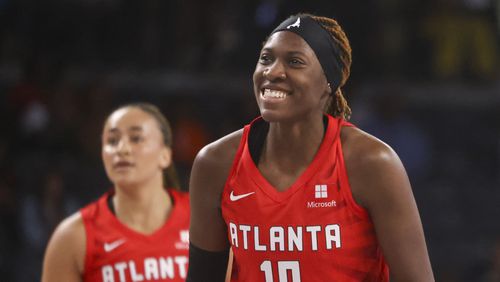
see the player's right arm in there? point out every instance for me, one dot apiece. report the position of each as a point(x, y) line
point(209, 247)
point(65, 253)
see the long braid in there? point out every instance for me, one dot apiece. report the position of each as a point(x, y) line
point(337, 105)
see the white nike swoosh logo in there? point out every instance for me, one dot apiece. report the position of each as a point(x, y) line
point(239, 197)
point(108, 247)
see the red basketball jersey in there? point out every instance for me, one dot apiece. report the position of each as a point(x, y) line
point(116, 253)
point(313, 231)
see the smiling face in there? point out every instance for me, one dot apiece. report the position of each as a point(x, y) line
point(133, 151)
point(289, 83)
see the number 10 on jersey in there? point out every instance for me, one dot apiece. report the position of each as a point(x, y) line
point(284, 267)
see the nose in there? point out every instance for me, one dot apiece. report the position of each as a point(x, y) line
point(275, 71)
point(123, 147)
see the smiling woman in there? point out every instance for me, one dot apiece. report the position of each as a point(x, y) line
point(300, 194)
point(138, 231)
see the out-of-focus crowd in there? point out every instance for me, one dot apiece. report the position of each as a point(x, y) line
point(425, 79)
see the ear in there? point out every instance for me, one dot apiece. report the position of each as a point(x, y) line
point(329, 89)
point(165, 157)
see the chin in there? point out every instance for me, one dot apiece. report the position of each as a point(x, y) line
point(273, 116)
point(269, 116)
point(124, 181)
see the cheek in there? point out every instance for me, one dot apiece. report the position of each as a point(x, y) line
point(316, 83)
point(257, 75)
point(107, 154)
point(150, 153)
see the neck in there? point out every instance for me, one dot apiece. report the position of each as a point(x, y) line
point(143, 208)
point(303, 138)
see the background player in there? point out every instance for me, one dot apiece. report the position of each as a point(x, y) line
point(299, 194)
point(139, 230)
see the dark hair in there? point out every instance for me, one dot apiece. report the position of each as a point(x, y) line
point(170, 176)
point(337, 105)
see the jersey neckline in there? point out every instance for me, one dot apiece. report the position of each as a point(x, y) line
point(271, 191)
point(129, 232)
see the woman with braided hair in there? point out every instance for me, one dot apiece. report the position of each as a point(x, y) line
point(301, 194)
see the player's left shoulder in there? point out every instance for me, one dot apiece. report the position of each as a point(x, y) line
point(373, 168)
point(364, 151)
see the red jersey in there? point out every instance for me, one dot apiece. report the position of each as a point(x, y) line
point(116, 253)
point(313, 231)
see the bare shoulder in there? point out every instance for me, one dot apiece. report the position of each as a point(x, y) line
point(66, 250)
point(380, 184)
point(70, 236)
point(217, 157)
point(206, 183)
point(360, 146)
point(371, 164)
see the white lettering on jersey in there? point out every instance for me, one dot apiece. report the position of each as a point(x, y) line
point(277, 236)
point(295, 238)
point(290, 238)
point(135, 276)
point(154, 269)
point(151, 269)
point(245, 229)
point(314, 239)
point(233, 230)
point(107, 274)
point(167, 268)
point(314, 204)
point(332, 237)
point(258, 246)
point(181, 262)
point(120, 267)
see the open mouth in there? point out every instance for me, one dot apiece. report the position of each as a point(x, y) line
point(123, 164)
point(273, 94)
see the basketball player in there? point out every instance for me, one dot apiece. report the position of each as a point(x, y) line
point(300, 194)
point(139, 230)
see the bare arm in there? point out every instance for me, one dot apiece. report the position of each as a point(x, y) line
point(207, 228)
point(380, 184)
point(65, 252)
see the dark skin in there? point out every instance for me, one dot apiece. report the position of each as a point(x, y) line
point(377, 177)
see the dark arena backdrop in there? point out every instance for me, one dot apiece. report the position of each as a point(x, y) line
point(425, 79)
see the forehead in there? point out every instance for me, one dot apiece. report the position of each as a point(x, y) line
point(287, 41)
point(126, 118)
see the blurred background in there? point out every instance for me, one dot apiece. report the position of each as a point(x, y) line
point(425, 79)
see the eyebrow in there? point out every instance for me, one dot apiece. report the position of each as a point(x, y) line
point(267, 49)
point(132, 128)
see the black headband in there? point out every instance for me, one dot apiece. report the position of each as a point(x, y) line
point(321, 43)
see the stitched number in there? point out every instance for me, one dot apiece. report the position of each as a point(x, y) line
point(284, 267)
point(268, 270)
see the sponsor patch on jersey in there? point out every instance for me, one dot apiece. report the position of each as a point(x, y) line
point(321, 196)
point(183, 243)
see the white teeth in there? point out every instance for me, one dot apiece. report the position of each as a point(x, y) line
point(268, 93)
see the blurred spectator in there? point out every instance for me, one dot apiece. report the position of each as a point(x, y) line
point(189, 137)
point(40, 214)
point(53, 100)
point(463, 41)
point(389, 120)
point(26, 100)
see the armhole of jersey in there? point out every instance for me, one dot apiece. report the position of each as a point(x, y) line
point(237, 157)
point(86, 214)
point(344, 179)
